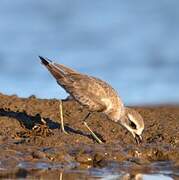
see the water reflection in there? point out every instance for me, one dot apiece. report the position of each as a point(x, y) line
point(123, 172)
point(45, 170)
point(123, 176)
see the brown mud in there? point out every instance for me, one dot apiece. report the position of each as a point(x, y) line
point(27, 151)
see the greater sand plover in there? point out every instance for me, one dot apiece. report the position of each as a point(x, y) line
point(96, 95)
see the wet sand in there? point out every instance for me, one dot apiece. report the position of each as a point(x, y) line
point(28, 151)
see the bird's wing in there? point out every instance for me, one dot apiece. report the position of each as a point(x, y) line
point(85, 90)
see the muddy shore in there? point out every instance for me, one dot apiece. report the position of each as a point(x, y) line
point(27, 150)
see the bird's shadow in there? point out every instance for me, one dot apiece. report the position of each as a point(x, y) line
point(28, 122)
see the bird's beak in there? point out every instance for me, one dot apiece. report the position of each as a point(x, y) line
point(138, 139)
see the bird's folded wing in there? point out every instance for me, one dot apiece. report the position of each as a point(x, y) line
point(85, 90)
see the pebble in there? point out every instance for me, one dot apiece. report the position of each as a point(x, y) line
point(38, 155)
point(84, 158)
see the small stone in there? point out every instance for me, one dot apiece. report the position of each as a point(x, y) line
point(38, 155)
point(98, 157)
point(84, 158)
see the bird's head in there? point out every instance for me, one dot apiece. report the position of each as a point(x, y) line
point(134, 123)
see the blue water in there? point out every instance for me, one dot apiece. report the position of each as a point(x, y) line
point(132, 45)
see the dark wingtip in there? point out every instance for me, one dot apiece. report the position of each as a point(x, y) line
point(44, 61)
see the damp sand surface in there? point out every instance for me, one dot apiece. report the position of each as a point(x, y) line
point(30, 148)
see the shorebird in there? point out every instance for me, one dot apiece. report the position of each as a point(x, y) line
point(96, 95)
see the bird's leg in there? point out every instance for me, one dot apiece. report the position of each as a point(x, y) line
point(61, 118)
point(92, 133)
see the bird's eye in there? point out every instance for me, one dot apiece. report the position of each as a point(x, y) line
point(132, 125)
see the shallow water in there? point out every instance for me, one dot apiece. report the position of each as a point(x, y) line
point(112, 171)
point(133, 46)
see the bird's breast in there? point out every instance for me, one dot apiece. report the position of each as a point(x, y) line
point(114, 109)
point(108, 103)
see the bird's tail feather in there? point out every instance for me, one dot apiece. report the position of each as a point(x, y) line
point(55, 70)
point(45, 61)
